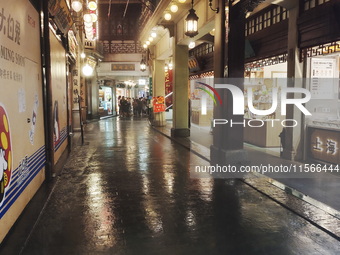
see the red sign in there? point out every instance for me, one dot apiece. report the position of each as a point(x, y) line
point(168, 88)
point(158, 104)
point(158, 108)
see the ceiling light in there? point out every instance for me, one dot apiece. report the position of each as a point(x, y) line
point(150, 38)
point(174, 8)
point(154, 34)
point(192, 45)
point(167, 16)
point(147, 43)
point(182, 1)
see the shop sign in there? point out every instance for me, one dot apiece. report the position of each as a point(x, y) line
point(158, 104)
point(61, 14)
point(123, 67)
point(324, 145)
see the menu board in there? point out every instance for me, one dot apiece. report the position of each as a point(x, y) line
point(322, 78)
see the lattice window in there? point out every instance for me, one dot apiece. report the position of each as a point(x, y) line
point(269, 16)
point(310, 4)
point(202, 50)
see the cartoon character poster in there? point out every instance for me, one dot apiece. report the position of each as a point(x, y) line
point(5, 154)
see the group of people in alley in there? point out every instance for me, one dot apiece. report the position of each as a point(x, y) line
point(133, 106)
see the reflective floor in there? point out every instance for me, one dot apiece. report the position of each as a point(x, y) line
point(128, 191)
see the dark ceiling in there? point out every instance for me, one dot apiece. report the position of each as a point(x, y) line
point(121, 19)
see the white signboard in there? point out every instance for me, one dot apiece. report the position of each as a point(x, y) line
point(322, 78)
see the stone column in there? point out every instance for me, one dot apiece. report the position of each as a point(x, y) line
point(181, 95)
point(294, 136)
point(158, 78)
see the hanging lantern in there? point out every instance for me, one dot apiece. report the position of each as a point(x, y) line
point(191, 22)
point(87, 70)
point(87, 18)
point(167, 16)
point(77, 5)
point(94, 17)
point(142, 64)
point(174, 8)
point(88, 24)
point(92, 5)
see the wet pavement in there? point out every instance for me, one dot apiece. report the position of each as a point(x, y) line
point(320, 189)
point(128, 190)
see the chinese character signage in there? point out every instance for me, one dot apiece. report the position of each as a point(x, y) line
point(61, 14)
point(123, 67)
point(324, 145)
point(158, 104)
point(150, 86)
point(168, 88)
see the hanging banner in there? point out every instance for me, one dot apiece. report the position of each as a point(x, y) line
point(168, 88)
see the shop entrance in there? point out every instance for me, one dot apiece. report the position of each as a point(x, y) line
point(106, 101)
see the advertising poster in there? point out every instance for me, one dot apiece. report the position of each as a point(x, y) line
point(22, 147)
point(158, 104)
point(58, 66)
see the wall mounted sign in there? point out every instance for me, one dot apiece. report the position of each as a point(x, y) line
point(123, 67)
point(324, 145)
point(61, 15)
point(322, 77)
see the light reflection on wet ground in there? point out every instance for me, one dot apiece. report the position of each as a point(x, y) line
point(129, 192)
